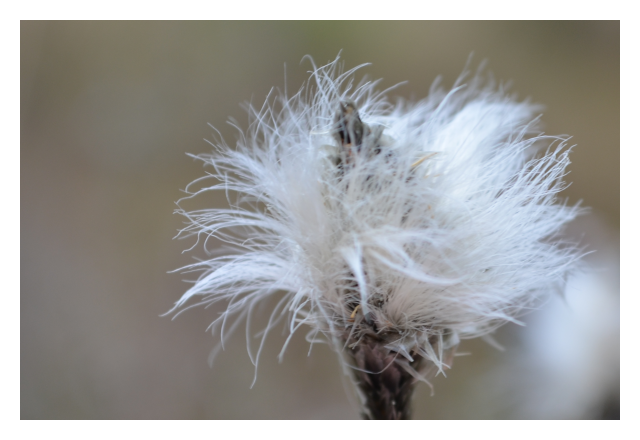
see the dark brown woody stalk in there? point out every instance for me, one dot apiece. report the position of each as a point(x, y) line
point(386, 386)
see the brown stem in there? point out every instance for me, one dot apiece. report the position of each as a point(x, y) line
point(387, 387)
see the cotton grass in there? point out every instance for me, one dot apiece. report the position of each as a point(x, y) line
point(393, 230)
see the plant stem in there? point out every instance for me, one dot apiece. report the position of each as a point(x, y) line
point(387, 387)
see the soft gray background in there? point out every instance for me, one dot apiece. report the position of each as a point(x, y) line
point(108, 110)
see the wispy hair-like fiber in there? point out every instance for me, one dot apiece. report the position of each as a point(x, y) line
point(441, 225)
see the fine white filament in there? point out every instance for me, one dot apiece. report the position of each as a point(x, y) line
point(446, 233)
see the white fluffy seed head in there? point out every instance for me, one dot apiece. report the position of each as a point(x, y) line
point(441, 225)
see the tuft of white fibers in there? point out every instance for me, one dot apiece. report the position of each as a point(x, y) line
point(414, 225)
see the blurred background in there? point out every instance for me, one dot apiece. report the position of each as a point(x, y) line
point(108, 111)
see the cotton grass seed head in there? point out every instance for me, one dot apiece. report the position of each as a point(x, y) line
point(393, 230)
